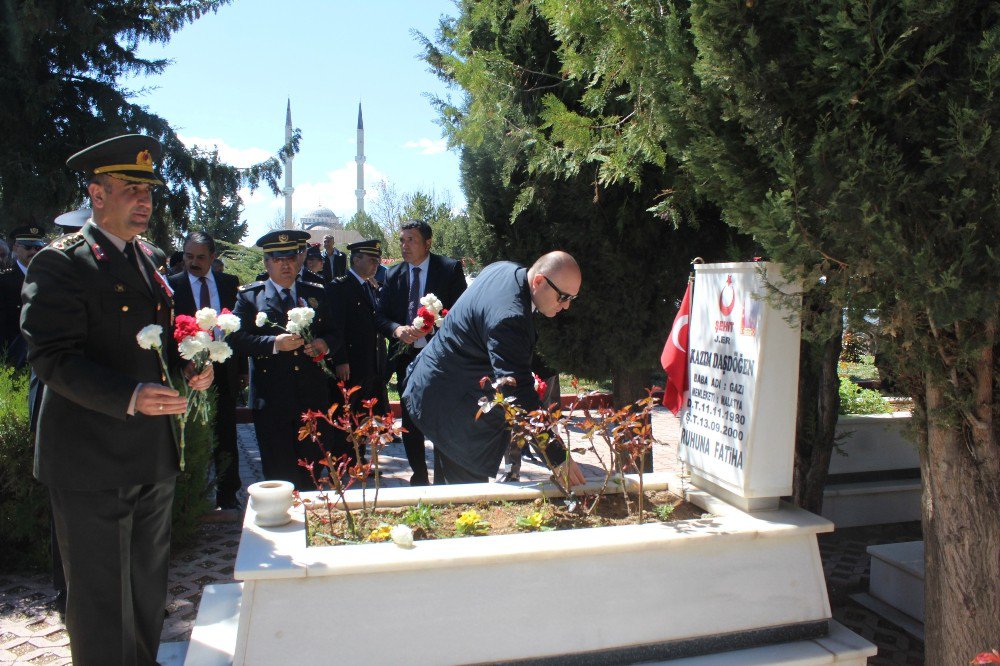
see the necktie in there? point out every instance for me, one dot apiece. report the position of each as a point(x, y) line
point(414, 295)
point(370, 291)
point(204, 298)
point(133, 259)
point(286, 300)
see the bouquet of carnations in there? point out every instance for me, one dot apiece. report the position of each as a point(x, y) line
point(430, 314)
point(299, 323)
point(200, 339)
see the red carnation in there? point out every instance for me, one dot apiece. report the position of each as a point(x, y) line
point(184, 327)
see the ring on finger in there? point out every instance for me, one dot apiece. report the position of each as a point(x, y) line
point(160, 407)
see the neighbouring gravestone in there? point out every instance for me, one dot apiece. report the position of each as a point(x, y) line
point(743, 360)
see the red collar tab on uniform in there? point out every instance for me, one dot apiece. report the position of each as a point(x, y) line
point(145, 248)
point(98, 252)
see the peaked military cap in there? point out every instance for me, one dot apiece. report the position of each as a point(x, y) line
point(130, 157)
point(28, 236)
point(313, 251)
point(282, 243)
point(74, 219)
point(372, 247)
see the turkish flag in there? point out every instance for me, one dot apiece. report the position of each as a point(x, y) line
point(674, 358)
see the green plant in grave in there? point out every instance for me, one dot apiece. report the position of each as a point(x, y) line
point(857, 400)
point(471, 523)
point(421, 515)
point(536, 521)
point(663, 512)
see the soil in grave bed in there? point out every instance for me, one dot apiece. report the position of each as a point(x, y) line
point(446, 521)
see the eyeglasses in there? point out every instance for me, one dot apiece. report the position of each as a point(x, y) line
point(563, 296)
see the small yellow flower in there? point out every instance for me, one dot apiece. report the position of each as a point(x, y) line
point(380, 533)
point(471, 522)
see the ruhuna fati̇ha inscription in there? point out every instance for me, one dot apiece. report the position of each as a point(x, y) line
point(743, 362)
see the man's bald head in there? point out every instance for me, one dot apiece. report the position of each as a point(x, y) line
point(555, 281)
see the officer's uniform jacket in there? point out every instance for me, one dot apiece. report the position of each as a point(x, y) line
point(354, 315)
point(283, 381)
point(11, 281)
point(83, 306)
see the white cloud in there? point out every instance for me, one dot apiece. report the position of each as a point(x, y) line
point(336, 192)
point(238, 157)
point(428, 146)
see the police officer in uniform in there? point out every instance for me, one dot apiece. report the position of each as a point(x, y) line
point(24, 242)
point(285, 380)
point(354, 299)
point(106, 445)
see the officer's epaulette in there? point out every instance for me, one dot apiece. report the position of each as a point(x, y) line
point(5, 271)
point(340, 279)
point(68, 242)
point(311, 284)
point(253, 285)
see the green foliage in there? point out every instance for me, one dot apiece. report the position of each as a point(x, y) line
point(857, 400)
point(60, 91)
point(536, 521)
point(663, 512)
point(366, 225)
point(470, 523)
point(502, 56)
point(217, 208)
point(24, 502)
point(244, 262)
point(421, 515)
point(195, 494)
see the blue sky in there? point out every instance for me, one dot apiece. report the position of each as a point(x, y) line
point(233, 71)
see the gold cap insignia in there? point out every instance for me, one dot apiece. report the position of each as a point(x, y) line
point(283, 238)
point(35, 231)
point(144, 159)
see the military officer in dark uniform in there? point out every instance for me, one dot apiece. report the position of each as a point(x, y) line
point(24, 243)
point(285, 380)
point(353, 299)
point(106, 444)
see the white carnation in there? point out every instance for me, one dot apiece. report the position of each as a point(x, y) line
point(438, 320)
point(193, 345)
point(229, 323)
point(402, 536)
point(219, 351)
point(149, 337)
point(418, 323)
point(261, 320)
point(432, 303)
point(207, 319)
point(299, 320)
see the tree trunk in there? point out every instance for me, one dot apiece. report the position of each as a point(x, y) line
point(818, 403)
point(629, 385)
point(960, 463)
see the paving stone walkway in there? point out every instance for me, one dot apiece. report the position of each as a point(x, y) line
point(31, 632)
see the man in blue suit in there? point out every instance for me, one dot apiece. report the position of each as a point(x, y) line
point(489, 333)
point(420, 273)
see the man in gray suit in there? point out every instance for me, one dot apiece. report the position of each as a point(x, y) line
point(488, 333)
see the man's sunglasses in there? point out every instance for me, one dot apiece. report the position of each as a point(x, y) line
point(563, 296)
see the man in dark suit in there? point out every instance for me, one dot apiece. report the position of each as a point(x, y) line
point(107, 446)
point(285, 379)
point(489, 333)
point(197, 287)
point(24, 242)
point(334, 261)
point(420, 273)
point(353, 299)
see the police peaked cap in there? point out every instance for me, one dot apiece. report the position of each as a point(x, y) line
point(282, 243)
point(28, 236)
point(372, 247)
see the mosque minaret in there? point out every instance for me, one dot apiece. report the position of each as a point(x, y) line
point(289, 223)
point(360, 160)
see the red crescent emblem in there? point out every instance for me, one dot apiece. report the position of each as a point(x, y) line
point(725, 309)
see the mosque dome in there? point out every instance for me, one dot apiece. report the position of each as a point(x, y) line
point(322, 217)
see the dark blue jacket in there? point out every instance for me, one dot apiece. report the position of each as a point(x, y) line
point(488, 333)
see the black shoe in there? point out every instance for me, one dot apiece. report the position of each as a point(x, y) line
point(230, 505)
point(419, 481)
point(60, 604)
